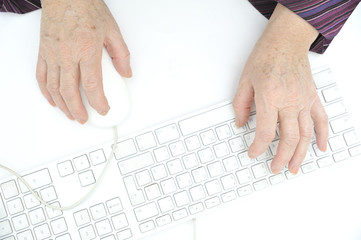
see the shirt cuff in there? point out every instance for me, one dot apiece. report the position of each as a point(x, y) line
point(327, 16)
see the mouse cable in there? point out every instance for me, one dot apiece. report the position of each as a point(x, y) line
point(81, 199)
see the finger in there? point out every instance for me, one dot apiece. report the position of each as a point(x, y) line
point(92, 82)
point(119, 53)
point(306, 133)
point(53, 85)
point(289, 138)
point(242, 102)
point(265, 128)
point(320, 120)
point(41, 70)
point(69, 90)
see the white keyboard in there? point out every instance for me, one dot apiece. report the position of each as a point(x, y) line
point(161, 176)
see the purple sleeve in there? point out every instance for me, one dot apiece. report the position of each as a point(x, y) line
point(19, 6)
point(327, 16)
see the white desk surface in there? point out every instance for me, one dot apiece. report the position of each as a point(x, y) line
point(187, 55)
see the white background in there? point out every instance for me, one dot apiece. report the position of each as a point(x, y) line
point(186, 55)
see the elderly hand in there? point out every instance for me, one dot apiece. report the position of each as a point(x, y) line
point(73, 33)
point(278, 78)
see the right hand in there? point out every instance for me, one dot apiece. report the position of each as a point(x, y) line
point(72, 36)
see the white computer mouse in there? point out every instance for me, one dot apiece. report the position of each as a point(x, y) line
point(116, 92)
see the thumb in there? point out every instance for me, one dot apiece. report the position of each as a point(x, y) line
point(242, 101)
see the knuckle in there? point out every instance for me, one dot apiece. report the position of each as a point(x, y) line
point(91, 84)
point(292, 139)
point(307, 133)
point(53, 88)
point(68, 91)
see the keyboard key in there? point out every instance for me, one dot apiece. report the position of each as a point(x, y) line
point(318, 152)
point(26, 235)
point(82, 217)
point(152, 191)
point(103, 227)
point(262, 184)
point(58, 226)
point(206, 155)
point(196, 208)
point(245, 159)
point(331, 94)
point(177, 148)
point(87, 233)
point(249, 137)
point(340, 156)
point(228, 196)
point(36, 180)
point(48, 194)
point(335, 109)
point(161, 154)
point(197, 193)
point(42, 232)
point(159, 172)
point(259, 170)
point(15, 206)
point(125, 149)
point(336, 143)
point(290, 175)
point(119, 221)
point(20, 222)
point(136, 163)
point(215, 169)
point(165, 204)
point(167, 133)
point(146, 141)
point(174, 166)
point(205, 120)
point(53, 213)
point(146, 211)
point(64, 237)
point(180, 214)
point(97, 157)
point(243, 191)
point(163, 220)
point(208, 137)
point(323, 162)
point(184, 180)
point(81, 162)
point(223, 132)
point(231, 163)
point(264, 155)
point(309, 167)
point(143, 177)
point(221, 150)
point(65, 168)
point(168, 186)
point(236, 130)
point(86, 178)
point(147, 226)
point(212, 202)
point(213, 187)
point(114, 205)
point(5, 228)
point(274, 146)
point(252, 122)
point(275, 179)
point(351, 138)
point(37, 216)
point(125, 234)
point(192, 143)
point(2, 208)
point(354, 151)
point(181, 198)
point(340, 124)
point(236, 144)
point(190, 161)
point(244, 176)
point(228, 181)
point(98, 211)
point(9, 189)
point(199, 174)
point(324, 78)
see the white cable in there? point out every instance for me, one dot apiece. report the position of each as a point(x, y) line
point(81, 199)
point(194, 221)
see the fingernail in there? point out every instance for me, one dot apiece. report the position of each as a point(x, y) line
point(276, 169)
point(104, 112)
point(52, 103)
point(81, 121)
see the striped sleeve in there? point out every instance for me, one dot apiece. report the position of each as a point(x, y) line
point(19, 6)
point(327, 16)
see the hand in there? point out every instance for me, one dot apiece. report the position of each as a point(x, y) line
point(72, 36)
point(278, 78)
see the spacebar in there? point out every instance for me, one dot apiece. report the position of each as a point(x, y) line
point(207, 119)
